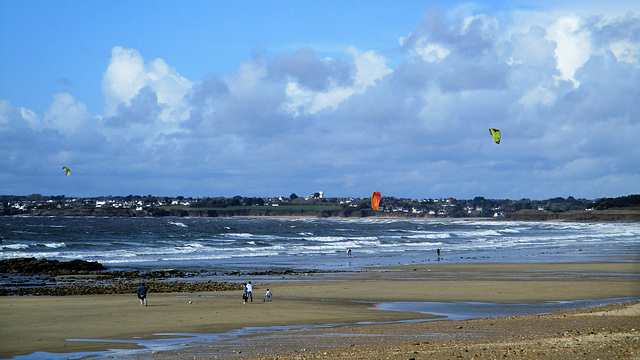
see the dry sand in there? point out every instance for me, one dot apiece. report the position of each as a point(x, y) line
point(30, 324)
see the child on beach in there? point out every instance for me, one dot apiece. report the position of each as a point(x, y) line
point(245, 294)
point(267, 297)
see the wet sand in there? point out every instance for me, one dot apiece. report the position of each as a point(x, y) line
point(30, 324)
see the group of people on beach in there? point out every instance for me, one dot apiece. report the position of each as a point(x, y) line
point(247, 293)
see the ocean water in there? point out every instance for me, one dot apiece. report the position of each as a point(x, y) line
point(224, 244)
point(229, 244)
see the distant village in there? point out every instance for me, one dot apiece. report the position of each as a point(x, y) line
point(315, 204)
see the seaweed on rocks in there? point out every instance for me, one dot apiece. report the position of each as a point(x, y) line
point(130, 287)
point(50, 267)
point(79, 277)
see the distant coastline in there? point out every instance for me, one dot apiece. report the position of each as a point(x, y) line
point(613, 215)
point(631, 215)
point(623, 209)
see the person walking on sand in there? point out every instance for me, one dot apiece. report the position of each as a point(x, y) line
point(267, 297)
point(250, 291)
point(142, 294)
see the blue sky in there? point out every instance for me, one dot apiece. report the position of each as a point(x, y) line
point(213, 98)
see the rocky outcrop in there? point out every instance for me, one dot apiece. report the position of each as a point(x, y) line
point(49, 267)
point(98, 281)
point(122, 287)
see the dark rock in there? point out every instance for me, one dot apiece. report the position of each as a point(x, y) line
point(129, 287)
point(50, 267)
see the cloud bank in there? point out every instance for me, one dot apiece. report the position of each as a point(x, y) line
point(564, 92)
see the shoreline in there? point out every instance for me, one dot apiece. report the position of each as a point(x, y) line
point(45, 323)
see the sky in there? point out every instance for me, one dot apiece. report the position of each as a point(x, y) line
point(270, 98)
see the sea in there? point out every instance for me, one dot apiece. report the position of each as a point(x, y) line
point(308, 244)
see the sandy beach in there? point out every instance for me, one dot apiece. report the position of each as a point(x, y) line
point(348, 301)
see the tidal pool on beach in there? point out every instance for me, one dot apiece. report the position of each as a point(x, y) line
point(462, 310)
point(228, 340)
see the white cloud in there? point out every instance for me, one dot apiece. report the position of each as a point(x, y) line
point(540, 95)
point(15, 118)
point(128, 73)
point(248, 79)
point(626, 51)
point(125, 76)
point(369, 67)
point(573, 44)
point(431, 52)
point(65, 114)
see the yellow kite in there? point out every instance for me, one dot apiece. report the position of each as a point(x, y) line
point(496, 135)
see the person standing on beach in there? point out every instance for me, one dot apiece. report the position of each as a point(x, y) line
point(438, 254)
point(349, 253)
point(142, 294)
point(267, 297)
point(245, 294)
point(250, 291)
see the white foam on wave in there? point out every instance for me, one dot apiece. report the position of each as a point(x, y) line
point(177, 223)
point(471, 234)
point(239, 235)
point(55, 245)
point(327, 239)
point(23, 232)
point(215, 256)
point(424, 235)
point(340, 239)
point(476, 223)
point(510, 230)
point(216, 240)
point(252, 237)
point(14, 246)
point(188, 248)
point(24, 254)
point(310, 250)
point(414, 245)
